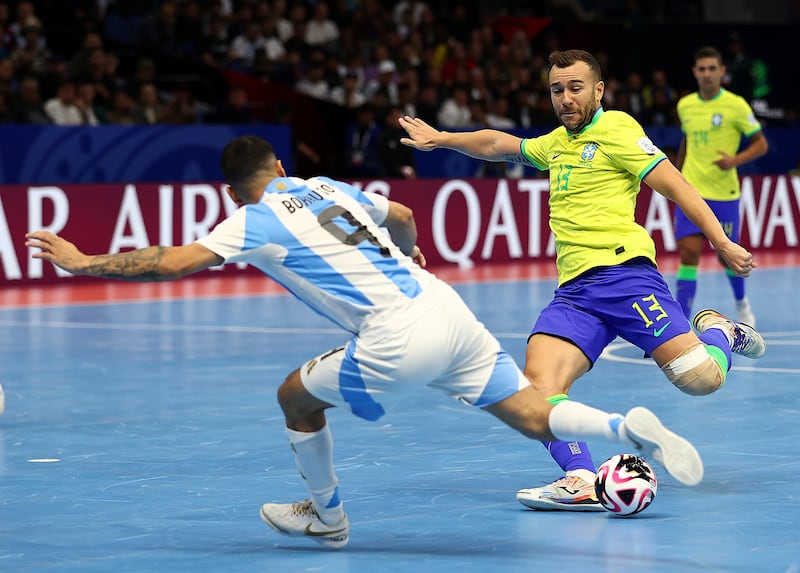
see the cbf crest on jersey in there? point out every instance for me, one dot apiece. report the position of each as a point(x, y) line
point(716, 120)
point(588, 151)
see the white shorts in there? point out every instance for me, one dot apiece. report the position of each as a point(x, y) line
point(439, 342)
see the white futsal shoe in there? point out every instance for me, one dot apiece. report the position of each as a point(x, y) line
point(652, 440)
point(569, 493)
point(300, 519)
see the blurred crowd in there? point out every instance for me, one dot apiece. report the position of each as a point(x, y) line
point(92, 62)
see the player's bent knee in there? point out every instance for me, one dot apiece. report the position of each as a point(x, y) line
point(695, 372)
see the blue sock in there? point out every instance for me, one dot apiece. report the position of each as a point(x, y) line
point(737, 284)
point(686, 287)
point(569, 455)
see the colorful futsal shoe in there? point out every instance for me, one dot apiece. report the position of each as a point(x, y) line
point(300, 519)
point(652, 440)
point(570, 493)
point(744, 339)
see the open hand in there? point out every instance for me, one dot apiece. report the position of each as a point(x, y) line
point(420, 135)
point(57, 250)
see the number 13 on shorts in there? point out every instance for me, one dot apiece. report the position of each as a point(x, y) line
point(650, 310)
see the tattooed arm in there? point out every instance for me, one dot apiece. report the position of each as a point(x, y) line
point(486, 144)
point(148, 264)
point(667, 180)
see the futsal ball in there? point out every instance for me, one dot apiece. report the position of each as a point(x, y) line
point(625, 484)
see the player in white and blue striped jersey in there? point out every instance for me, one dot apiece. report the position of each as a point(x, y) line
point(321, 240)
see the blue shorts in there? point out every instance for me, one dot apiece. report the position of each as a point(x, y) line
point(631, 301)
point(727, 213)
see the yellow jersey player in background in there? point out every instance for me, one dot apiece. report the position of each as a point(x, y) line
point(713, 121)
point(608, 283)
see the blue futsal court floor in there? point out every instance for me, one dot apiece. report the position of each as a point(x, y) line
point(144, 436)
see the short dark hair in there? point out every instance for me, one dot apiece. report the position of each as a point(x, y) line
point(566, 58)
point(708, 52)
point(243, 158)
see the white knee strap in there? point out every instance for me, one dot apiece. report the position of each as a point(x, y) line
point(695, 372)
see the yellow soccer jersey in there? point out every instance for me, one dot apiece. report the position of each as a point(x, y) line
point(595, 176)
point(710, 126)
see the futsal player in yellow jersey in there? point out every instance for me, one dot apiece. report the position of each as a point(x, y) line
point(608, 284)
point(713, 121)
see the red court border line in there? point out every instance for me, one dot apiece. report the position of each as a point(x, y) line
point(111, 291)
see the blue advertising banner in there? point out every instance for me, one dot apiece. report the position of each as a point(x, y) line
point(115, 153)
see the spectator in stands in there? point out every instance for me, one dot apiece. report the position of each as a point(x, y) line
point(234, 110)
point(157, 32)
point(110, 80)
point(215, 44)
point(79, 65)
point(521, 106)
point(182, 107)
point(405, 99)
point(428, 104)
point(498, 114)
point(31, 57)
point(273, 44)
point(478, 89)
point(145, 74)
point(360, 145)
point(633, 88)
point(313, 82)
point(121, 110)
point(263, 68)
point(25, 18)
point(457, 59)
point(454, 111)
point(29, 108)
point(385, 81)
point(657, 95)
point(396, 159)
point(148, 108)
point(283, 25)
point(347, 94)
point(739, 78)
point(92, 112)
point(245, 45)
point(415, 8)
point(189, 29)
point(321, 31)
point(101, 74)
point(8, 80)
point(62, 109)
point(298, 17)
point(661, 111)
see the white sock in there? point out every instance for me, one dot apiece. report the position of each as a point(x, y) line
point(586, 475)
point(571, 420)
point(313, 454)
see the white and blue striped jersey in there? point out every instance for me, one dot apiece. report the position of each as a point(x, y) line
point(320, 239)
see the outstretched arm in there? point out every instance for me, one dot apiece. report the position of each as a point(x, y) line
point(668, 181)
point(486, 144)
point(148, 264)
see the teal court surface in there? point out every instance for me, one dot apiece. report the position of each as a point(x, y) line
point(142, 434)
